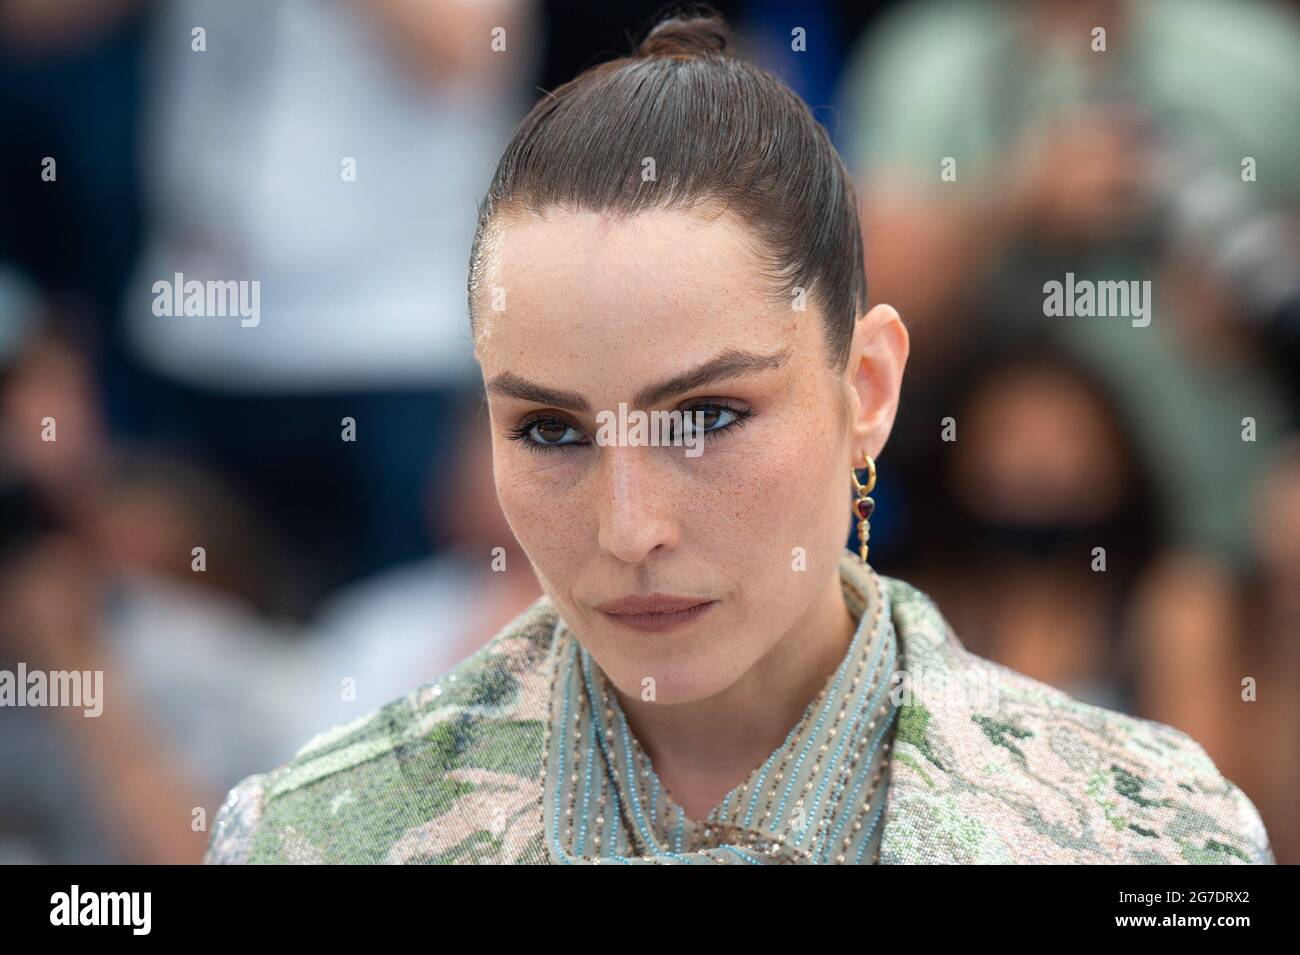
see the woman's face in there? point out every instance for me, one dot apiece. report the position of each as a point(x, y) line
point(667, 311)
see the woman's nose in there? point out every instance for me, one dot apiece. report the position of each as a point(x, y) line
point(636, 503)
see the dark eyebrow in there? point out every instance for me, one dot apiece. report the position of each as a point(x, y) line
point(730, 364)
point(512, 386)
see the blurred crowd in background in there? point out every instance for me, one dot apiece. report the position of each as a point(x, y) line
point(340, 574)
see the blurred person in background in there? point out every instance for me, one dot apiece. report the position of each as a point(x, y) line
point(322, 150)
point(1039, 469)
point(97, 573)
point(1219, 652)
point(195, 691)
point(1162, 148)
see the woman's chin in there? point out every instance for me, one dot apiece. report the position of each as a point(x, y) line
point(684, 678)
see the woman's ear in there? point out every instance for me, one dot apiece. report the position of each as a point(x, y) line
point(877, 357)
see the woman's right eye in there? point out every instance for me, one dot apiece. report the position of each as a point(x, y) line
point(547, 434)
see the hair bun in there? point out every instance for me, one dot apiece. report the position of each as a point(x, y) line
point(687, 33)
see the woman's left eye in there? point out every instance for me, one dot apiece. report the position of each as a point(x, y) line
point(710, 418)
point(713, 419)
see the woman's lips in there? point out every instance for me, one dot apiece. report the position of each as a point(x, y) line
point(655, 612)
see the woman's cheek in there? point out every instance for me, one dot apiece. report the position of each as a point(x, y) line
point(800, 506)
point(783, 473)
point(540, 511)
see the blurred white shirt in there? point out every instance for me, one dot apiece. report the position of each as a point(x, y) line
point(363, 283)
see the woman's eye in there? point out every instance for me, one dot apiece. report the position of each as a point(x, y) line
point(553, 432)
point(545, 434)
point(708, 417)
point(712, 420)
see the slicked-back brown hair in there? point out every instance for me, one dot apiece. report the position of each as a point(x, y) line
point(722, 132)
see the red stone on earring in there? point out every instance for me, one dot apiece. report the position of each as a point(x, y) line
point(864, 507)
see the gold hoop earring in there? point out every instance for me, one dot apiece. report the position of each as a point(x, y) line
point(864, 506)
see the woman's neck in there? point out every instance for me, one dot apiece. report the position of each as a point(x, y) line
point(704, 749)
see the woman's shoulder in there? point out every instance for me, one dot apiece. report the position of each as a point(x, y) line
point(363, 791)
point(1023, 772)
